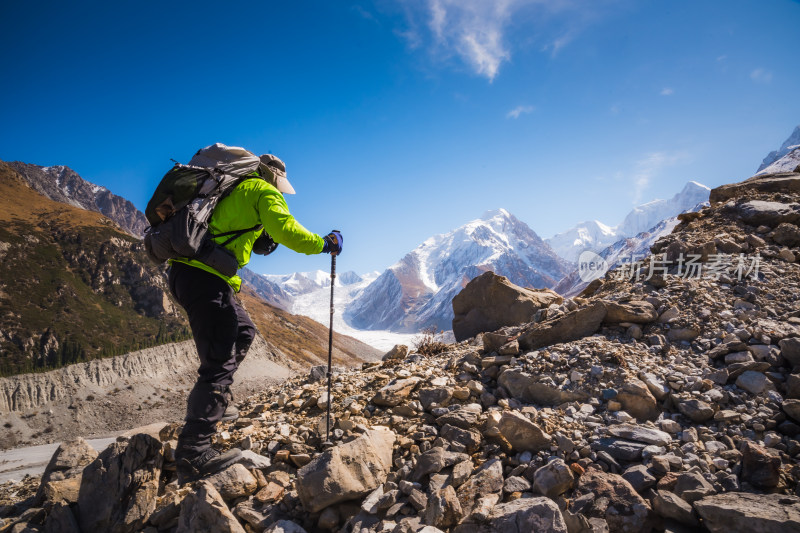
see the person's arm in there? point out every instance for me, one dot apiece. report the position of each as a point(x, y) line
point(282, 226)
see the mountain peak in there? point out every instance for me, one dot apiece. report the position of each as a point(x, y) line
point(495, 213)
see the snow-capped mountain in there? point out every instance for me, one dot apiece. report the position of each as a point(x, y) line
point(300, 283)
point(416, 292)
point(787, 163)
point(596, 236)
point(62, 184)
point(789, 145)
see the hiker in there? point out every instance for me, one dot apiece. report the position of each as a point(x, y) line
point(221, 327)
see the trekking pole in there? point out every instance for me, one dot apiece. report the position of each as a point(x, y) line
point(328, 442)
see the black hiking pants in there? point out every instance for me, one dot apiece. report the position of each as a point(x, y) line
point(222, 333)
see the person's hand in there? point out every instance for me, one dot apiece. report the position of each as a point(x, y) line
point(333, 243)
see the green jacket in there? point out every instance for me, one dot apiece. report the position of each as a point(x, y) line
point(253, 202)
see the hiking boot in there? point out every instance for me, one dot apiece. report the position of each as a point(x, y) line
point(207, 463)
point(231, 414)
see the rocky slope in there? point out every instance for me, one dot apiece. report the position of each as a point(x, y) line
point(671, 401)
point(596, 236)
point(416, 292)
point(62, 184)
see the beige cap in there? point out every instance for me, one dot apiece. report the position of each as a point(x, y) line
point(274, 171)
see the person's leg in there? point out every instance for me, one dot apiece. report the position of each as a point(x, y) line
point(215, 325)
point(245, 334)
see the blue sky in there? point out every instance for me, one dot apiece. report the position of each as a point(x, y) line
point(400, 120)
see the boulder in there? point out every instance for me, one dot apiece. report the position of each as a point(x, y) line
point(65, 469)
point(697, 410)
point(234, 482)
point(760, 212)
point(787, 235)
point(490, 302)
point(761, 467)
point(792, 408)
point(526, 515)
point(395, 392)
point(400, 351)
point(521, 433)
point(347, 471)
point(487, 480)
point(553, 479)
point(753, 382)
point(204, 510)
point(434, 460)
point(692, 486)
point(790, 350)
point(443, 509)
point(622, 508)
point(572, 326)
point(634, 311)
point(61, 520)
point(638, 401)
point(742, 511)
point(119, 488)
point(669, 505)
point(529, 389)
point(641, 434)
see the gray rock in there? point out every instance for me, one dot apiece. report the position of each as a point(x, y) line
point(692, 486)
point(234, 482)
point(637, 312)
point(637, 400)
point(758, 212)
point(741, 511)
point(526, 515)
point(787, 235)
point(61, 520)
point(434, 460)
point(641, 434)
point(490, 302)
point(119, 488)
point(468, 438)
point(753, 382)
point(790, 350)
point(639, 477)
point(761, 467)
point(792, 408)
point(553, 479)
point(204, 510)
point(529, 389)
point(488, 479)
point(443, 509)
point(438, 395)
point(696, 410)
point(516, 484)
point(569, 327)
point(521, 433)
point(396, 392)
point(461, 418)
point(669, 505)
point(620, 449)
point(400, 351)
point(347, 471)
point(624, 509)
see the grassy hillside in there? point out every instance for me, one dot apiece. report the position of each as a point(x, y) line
point(72, 286)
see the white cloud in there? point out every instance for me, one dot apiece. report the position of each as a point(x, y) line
point(667, 91)
point(477, 31)
point(761, 75)
point(519, 110)
point(648, 167)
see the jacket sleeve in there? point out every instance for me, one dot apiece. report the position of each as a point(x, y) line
point(282, 226)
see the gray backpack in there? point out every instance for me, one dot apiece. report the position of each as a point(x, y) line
point(184, 200)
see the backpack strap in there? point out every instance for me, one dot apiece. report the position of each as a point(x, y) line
point(235, 234)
